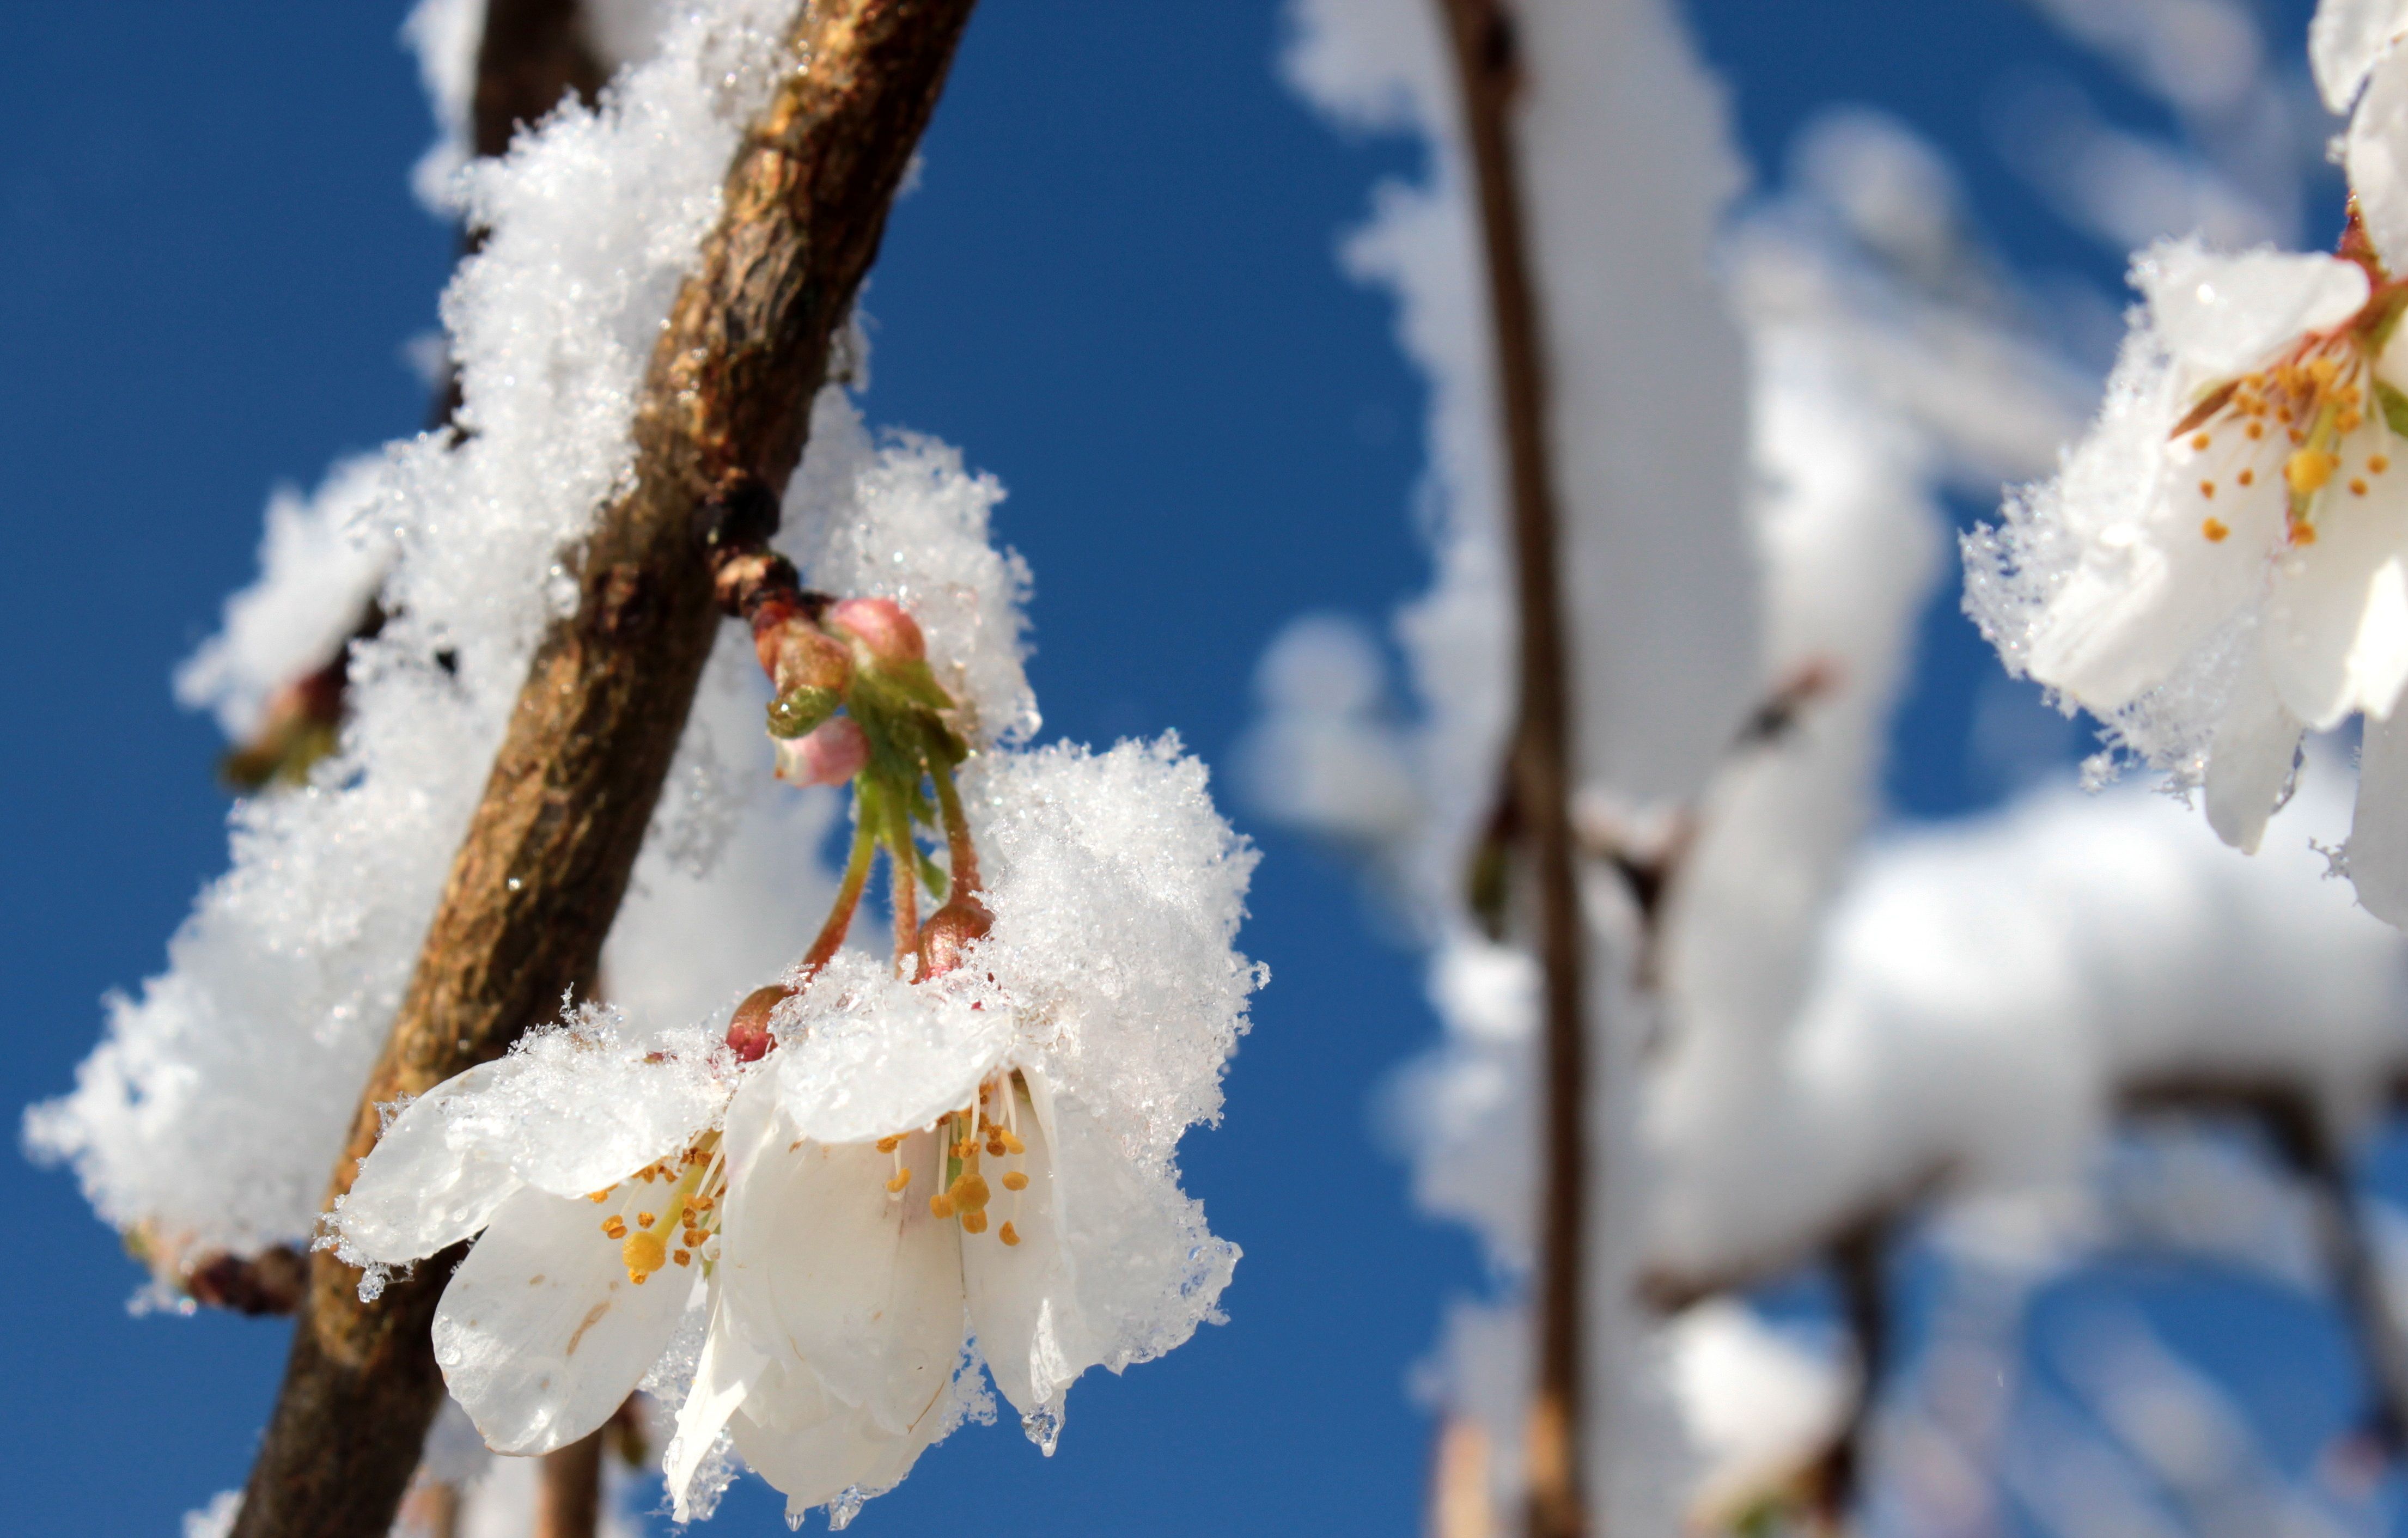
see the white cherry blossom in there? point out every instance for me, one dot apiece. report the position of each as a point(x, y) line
point(590, 1165)
point(2223, 564)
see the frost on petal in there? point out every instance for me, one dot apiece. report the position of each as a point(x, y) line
point(2378, 832)
point(2250, 767)
point(724, 1378)
point(2343, 42)
point(1117, 890)
point(1144, 1268)
point(819, 1451)
point(2221, 315)
point(2377, 157)
point(2335, 626)
point(586, 1108)
point(1023, 1300)
point(821, 1265)
point(542, 1334)
point(866, 1054)
point(418, 1190)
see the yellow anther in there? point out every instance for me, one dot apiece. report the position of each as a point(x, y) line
point(1009, 1234)
point(2215, 530)
point(995, 1147)
point(2303, 534)
point(597, 1196)
point(2350, 422)
point(1015, 1180)
point(683, 1258)
point(2255, 429)
point(2308, 470)
point(615, 1226)
point(643, 1253)
point(2247, 477)
point(1010, 1143)
point(2199, 441)
point(2207, 489)
point(973, 1222)
point(644, 1220)
point(941, 1206)
point(888, 1145)
point(969, 1193)
point(902, 1178)
point(2323, 372)
point(2377, 464)
point(2356, 487)
point(965, 1148)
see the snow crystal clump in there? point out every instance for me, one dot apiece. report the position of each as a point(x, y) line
point(217, 1100)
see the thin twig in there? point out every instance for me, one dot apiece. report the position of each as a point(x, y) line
point(2302, 1135)
point(538, 879)
point(1488, 71)
point(568, 1498)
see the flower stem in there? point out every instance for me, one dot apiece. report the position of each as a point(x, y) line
point(848, 897)
point(904, 876)
point(961, 854)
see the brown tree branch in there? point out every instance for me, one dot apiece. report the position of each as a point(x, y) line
point(538, 879)
point(1488, 73)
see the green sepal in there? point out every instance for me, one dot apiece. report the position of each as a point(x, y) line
point(797, 711)
point(2395, 408)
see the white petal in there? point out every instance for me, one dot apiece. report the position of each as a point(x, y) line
point(818, 1448)
point(862, 1284)
point(2377, 156)
point(1024, 1304)
point(542, 1334)
point(2336, 615)
point(2223, 315)
point(2147, 594)
point(2343, 43)
point(2256, 742)
point(724, 1375)
point(2378, 835)
point(870, 1052)
point(416, 1192)
point(583, 1114)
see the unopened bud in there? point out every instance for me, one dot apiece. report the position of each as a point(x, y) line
point(801, 710)
point(830, 754)
point(949, 933)
point(748, 1030)
point(891, 636)
point(797, 653)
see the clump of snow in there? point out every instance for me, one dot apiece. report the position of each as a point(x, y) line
point(321, 562)
point(215, 1105)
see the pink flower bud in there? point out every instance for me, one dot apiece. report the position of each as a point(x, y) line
point(892, 636)
point(748, 1031)
point(829, 753)
point(949, 932)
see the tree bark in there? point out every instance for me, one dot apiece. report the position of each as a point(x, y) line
point(568, 1501)
point(1488, 72)
point(533, 888)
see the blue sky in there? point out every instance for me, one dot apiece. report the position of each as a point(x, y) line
point(1114, 289)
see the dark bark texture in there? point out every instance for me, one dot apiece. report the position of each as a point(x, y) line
point(535, 884)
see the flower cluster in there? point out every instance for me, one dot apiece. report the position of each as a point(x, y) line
point(2222, 565)
point(883, 1171)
